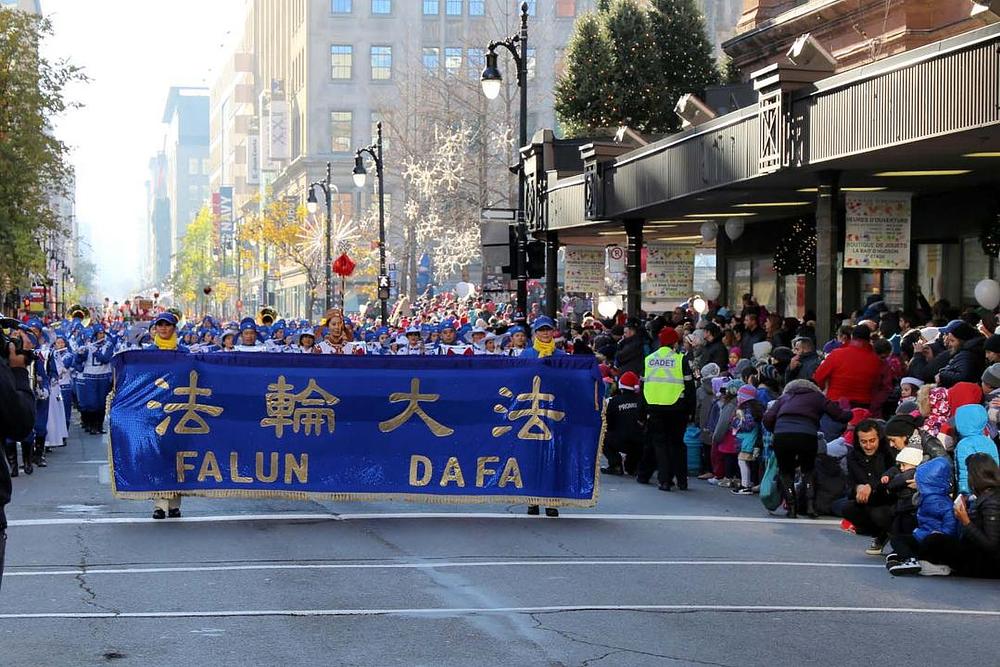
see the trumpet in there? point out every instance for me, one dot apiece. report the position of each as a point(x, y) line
point(267, 315)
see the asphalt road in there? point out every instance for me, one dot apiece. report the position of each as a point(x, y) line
point(646, 578)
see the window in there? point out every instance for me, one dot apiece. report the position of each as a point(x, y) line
point(476, 61)
point(431, 8)
point(453, 7)
point(206, 166)
point(381, 63)
point(381, 7)
point(531, 63)
point(432, 59)
point(560, 63)
point(343, 204)
point(340, 6)
point(452, 60)
point(341, 131)
point(193, 166)
point(477, 7)
point(565, 9)
point(341, 61)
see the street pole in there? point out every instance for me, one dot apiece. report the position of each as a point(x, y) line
point(522, 228)
point(491, 79)
point(375, 152)
point(329, 259)
point(384, 302)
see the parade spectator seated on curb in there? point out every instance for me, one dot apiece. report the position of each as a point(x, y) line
point(868, 505)
point(904, 431)
point(935, 517)
point(967, 355)
point(852, 372)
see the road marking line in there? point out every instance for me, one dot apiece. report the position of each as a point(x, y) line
point(440, 565)
point(374, 516)
point(464, 611)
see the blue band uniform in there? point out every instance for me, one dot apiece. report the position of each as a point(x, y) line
point(423, 429)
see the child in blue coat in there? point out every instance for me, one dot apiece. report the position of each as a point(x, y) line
point(970, 420)
point(935, 514)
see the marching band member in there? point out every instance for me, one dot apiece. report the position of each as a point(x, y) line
point(64, 366)
point(336, 339)
point(249, 337)
point(448, 343)
point(229, 340)
point(165, 338)
point(414, 343)
point(518, 341)
point(303, 342)
point(164, 329)
point(276, 342)
point(94, 379)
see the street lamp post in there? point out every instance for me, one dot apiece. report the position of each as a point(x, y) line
point(312, 205)
point(491, 80)
point(360, 176)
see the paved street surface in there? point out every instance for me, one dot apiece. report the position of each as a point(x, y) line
point(647, 578)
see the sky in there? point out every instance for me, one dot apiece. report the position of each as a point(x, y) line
point(133, 51)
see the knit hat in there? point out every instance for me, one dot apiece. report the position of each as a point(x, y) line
point(629, 380)
point(916, 382)
point(768, 372)
point(735, 350)
point(742, 365)
point(963, 393)
point(910, 455)
point(991, 376)
point(745, 393)
point(668, 337)
point(761, 350)
point(709, 371)
point(733, 386)
point(901, 425)
point(993, 343)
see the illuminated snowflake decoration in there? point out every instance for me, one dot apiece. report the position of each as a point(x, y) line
point(343, 231)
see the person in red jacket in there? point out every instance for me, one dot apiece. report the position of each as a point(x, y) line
point(852, 371)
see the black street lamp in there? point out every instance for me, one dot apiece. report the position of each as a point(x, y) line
point(491, 80)
point(360, 175)
point(311, 206)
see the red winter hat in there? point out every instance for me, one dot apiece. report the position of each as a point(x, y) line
point(629, 380)
point(668, 337)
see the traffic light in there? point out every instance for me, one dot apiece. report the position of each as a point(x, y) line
point(536, 259)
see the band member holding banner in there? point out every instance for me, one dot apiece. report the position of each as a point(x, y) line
point(165, 338)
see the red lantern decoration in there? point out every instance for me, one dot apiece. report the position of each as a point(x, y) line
point(343, 266)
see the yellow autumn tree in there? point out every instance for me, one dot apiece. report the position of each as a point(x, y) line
point(195, 266)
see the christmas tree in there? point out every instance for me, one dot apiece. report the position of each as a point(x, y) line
point(628, 65)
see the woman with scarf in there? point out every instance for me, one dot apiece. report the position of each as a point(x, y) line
point(165, 338)
point(543, 345)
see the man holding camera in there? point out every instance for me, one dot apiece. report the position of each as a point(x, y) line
point(17, 415)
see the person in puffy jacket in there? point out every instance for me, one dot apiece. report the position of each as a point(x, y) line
point(970, 420)
point(935, 516)
point(967, 356)
point(852, 372)
point(794, 420)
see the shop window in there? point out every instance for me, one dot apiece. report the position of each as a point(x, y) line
point(975, 267)
point(565, 8)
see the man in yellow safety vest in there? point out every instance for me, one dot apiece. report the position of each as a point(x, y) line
point(668, 390)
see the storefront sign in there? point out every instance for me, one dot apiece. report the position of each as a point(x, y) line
point(616, 259)
point(877, 230)
point(669, 272)
point(584, 270)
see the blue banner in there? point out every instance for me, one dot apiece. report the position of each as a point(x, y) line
point(424, 429)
